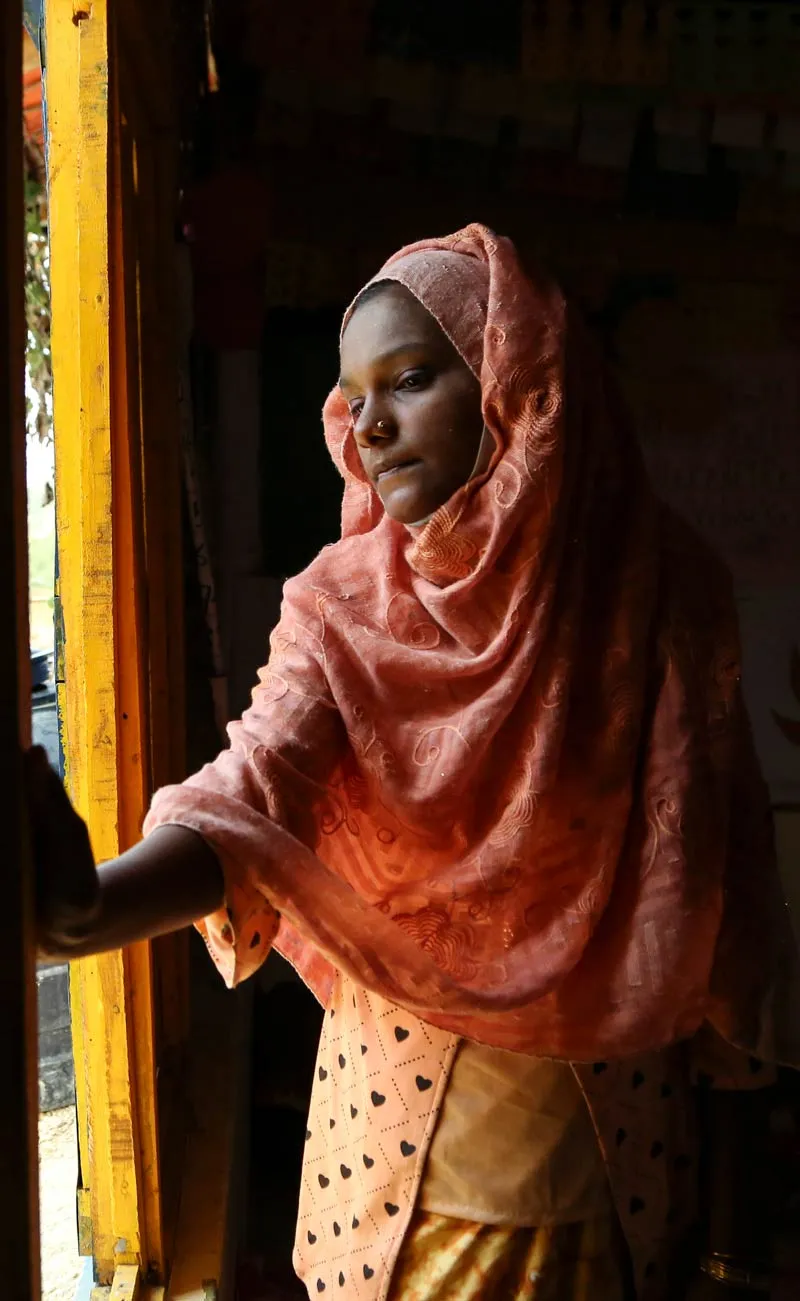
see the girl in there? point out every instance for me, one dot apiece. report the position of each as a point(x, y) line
point(496, 800)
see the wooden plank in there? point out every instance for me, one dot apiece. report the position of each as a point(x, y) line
point(19, 1227)
point(161, 467)
point(149, 208)
point(130, 602)
point(130, 609)
point(142, 1291)
point(148, 231)
point(127, 1285)
point(161, 448)
point(105, 692)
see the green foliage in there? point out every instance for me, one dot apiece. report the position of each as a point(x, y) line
point(37, 308)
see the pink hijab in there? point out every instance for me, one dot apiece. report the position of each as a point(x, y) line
point(498, 770)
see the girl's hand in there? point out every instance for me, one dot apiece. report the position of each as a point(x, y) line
point(67, 887)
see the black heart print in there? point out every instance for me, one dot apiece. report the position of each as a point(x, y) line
point(368, 1161)
point(341, 1280)
point(356, 1223)
point(320, 1285)
point(408, 1149)
point(332, 1123)
point(312, 1237)
point(342, 1061)
point(353, 1111)
point(363, 1049)
point(390, 1208)
point(422, 1084)
point(345, 1171)
point(378, 1099)
point(400, 1034)
point(337, 1228)
point(323, 1074)
point(323, 1181)
point(368, 1273)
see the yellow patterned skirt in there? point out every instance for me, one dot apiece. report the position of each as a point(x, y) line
point(444, 1259)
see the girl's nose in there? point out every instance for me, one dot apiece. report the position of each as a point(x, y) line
point(373, 427)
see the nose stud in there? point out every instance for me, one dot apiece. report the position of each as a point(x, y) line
point(380, 424)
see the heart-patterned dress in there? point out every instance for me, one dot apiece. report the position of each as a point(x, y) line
point(380, 1081)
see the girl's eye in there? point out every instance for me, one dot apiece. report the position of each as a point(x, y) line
point(356, 408)
point(415, 379)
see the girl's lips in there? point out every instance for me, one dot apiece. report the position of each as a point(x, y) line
point(395, 469)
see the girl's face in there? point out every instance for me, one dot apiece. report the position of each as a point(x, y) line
point(416, 405)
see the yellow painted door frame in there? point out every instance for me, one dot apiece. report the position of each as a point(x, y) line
point(19, 1221)
point(119, 567)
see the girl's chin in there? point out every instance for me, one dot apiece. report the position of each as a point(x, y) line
point(409, 501)
point(412, 519)
point(405, 507)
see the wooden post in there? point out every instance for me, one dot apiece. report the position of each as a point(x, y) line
point(19, 1220)
point(104, 699)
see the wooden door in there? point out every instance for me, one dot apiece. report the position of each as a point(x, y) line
point(112, 140)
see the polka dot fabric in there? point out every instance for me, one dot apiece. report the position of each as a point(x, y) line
point(643, 1117)
point(380, 1079)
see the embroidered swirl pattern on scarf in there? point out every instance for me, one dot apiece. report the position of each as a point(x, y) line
point(498, 770)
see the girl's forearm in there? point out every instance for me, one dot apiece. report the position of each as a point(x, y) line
point(166, 882)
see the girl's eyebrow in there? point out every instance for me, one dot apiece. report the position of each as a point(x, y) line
point(385, 357)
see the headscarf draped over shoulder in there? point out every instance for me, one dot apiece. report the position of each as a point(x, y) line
point(501, 767)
